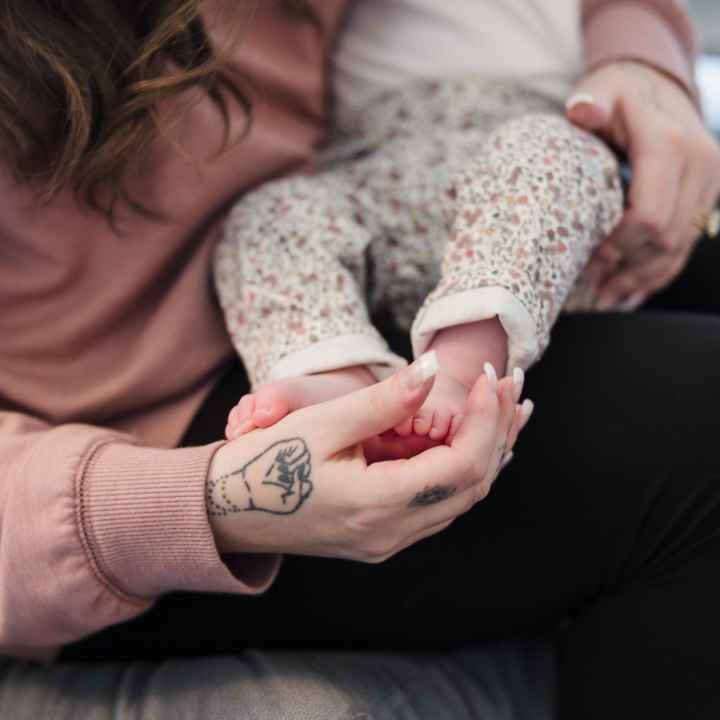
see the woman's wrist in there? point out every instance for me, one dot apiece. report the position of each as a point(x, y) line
point(251, 482)
point(633, 64)
point(227, 459)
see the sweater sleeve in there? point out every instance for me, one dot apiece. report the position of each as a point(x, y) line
point(657, 32)
point(94, 528)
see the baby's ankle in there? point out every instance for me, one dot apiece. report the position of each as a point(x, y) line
point(464, 349)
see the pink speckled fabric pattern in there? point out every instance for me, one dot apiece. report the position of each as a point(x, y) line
point(464, 186)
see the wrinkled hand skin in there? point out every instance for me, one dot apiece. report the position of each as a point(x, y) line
point(277, 481)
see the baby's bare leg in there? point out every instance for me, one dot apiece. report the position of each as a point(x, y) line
point(273, 401)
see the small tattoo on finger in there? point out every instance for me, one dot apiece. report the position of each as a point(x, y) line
point(432, 495)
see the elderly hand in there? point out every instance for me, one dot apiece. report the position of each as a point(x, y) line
point(304, 487)
point(676, 177)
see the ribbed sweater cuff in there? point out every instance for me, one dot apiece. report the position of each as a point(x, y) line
point(145, 526)
point(632, 31)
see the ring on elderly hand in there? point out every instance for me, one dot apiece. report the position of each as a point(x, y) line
point(709, 223)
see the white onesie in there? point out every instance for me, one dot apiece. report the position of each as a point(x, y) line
point(389, 43)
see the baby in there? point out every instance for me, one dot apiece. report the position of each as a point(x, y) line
point(455, 194)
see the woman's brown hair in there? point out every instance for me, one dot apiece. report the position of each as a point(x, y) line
point(81, 80)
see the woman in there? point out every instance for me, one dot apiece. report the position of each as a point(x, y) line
point(113, 323)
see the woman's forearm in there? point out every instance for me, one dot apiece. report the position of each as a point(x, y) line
point(94, 528)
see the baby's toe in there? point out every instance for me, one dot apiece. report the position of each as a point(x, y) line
point(405, 428)
point(244, 409)
point(441, 425)
point(423, 421)
point(271, 406)
point(240, 418)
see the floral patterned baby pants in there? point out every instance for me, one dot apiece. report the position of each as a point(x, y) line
point(466, 200)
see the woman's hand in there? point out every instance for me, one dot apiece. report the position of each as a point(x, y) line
point(303, 486)
point(676, 177)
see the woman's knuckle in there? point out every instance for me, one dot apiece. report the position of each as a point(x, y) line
point(364, 521)
point(651, 220)
point(377, 551)
point(626, 283)
point(467, 503)
point(376, 403)
point(478, 469)
point(465, 468)
point(677, 139)
point(483, 491)
point(667, 242)
point(708, 151)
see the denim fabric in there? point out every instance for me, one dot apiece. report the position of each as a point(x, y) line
point(507, 681)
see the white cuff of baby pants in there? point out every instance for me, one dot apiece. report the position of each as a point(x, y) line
point(478, 304)
point(340, 352)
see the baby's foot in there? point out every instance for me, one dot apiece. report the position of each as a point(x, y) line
point(440, 416)
point(273, 401)
point(465, 352)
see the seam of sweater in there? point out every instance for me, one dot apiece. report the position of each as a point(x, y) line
point(82, 524)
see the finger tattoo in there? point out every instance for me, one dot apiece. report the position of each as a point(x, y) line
point(432, 495)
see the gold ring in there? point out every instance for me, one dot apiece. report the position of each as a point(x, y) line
point(708, 223)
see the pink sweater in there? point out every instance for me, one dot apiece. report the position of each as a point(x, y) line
point(110, 344)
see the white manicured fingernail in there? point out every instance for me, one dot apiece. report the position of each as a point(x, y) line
point(491, 375)
point(527, 409)
point(632, 303)
point(580, 99)
point(507, 459)
point(518, 382)
point(428, 365)
point(425, 367)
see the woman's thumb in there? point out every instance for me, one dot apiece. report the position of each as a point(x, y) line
point(589, 107)
point(373, 410)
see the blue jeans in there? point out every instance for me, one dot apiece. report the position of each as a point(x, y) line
point(506, 681)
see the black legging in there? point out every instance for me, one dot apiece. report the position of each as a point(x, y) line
point(607, 523)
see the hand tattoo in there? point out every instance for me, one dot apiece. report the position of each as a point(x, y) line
point(277, 481)
point(431, 496)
